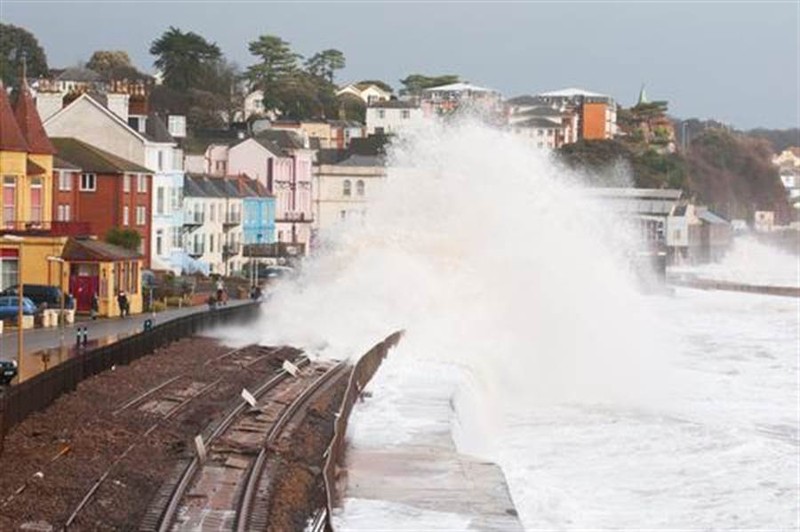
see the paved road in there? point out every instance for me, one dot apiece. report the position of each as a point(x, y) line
point(102, 330)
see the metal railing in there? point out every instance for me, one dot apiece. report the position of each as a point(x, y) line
point(38, 392)
point(361, 374)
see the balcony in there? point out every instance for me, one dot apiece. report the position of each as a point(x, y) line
point(26, 228)
point(274, 250)
point(232, 219)
point(231, 250)
point(195, 250)
point(194, 219)
point(294, 216)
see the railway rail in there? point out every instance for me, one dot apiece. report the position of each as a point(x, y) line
point(231, 477)
point(175, 396)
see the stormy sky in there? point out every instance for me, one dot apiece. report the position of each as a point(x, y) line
point(733, 61)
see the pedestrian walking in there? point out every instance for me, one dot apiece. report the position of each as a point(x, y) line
point(95, 306)
point(122, 301)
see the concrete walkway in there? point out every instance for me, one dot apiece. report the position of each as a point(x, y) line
point(403, 471)
point(59, 344)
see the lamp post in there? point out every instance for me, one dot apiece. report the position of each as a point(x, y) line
point(18, 240)
point(61, 317)
point(258, 239)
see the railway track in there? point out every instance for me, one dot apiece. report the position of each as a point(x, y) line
point(168, 398)
point(227, 491)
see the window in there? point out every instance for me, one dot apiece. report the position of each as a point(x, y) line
point(9, 270)
point(211, 243)
point(346, 187)
point(211, 214)
point(64, 180)
point(88, 182)
point(360, 187)
point(220, 166)
point(9, 200)
point(126, 182)
point(141, 215)
point(342, 215)
point(125, 215)
point(160, 160)
point(36, 199)
point(159, 242)
point(141, 184)
point(176, 237)
point(381, 114)
point(405, 114)
point(134, 284)
point(160, 200)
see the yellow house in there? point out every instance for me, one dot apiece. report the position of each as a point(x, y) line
point(97, 267)
point(26, 171)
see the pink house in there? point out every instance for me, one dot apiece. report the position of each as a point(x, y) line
point(282, 162)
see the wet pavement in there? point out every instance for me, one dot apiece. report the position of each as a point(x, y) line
point(45, 348)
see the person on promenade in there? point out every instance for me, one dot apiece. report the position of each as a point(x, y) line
point(95, 306)
point(122, 301)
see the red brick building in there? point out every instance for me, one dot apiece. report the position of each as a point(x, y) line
point(94, 186)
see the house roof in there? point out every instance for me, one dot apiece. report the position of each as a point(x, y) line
point(525, 99)
point(31, 168)
point(156, 130)
point(540, 110)
point(538, 122)
point(90, 250)
point(61, 164)
point(571, 92)
point(710, 217)
point(205, 186)
point(30, 123)
point(79, 74)
point(93, 159)
point(11, 137)
point(458, 87)
point(288, 140)
point(363, 160)
point(269, 145)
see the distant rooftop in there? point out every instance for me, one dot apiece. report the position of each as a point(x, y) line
point(571, 92)
point(459, 87)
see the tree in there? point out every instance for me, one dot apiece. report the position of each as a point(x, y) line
point(414, 84)
point(277, 65)
point(15, 44)
point(125, 238)
point(323, 64)
point(114, 64)
point(183, 58)
point(380, 84)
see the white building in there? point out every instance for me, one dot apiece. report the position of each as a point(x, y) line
point(143, 139)
point(368, 92)
point(342, 190)
point(393, 116)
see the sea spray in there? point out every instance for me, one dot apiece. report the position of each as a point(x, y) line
point(491, 258)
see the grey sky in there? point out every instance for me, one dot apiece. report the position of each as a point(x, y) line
point(736, 62)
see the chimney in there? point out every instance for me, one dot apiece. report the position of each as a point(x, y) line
point(48, 104)
point(118, 104)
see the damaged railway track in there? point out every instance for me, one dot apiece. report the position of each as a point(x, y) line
point(226, 490)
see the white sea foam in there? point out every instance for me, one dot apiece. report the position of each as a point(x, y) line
point(491, 258)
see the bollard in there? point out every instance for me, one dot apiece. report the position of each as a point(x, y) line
point(85, 336)
point(78, 335)
point(148, 325)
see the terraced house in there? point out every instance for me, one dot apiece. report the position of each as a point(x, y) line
point(27, 235)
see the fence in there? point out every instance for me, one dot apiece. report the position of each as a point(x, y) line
point(36, 393)
point(362, 372)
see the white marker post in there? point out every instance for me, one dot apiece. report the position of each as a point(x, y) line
point(290, 368)
point(248, 397)
point(201, 447)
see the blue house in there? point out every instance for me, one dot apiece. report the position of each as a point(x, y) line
point(258, 220)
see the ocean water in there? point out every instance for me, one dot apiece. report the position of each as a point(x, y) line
point(605, 408)
point(723, 453)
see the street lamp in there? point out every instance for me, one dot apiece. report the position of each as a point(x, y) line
point(18, 240)
point(61, 316)
point(258, 239)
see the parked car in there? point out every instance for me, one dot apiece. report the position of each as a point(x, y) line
point(8, 370)
point(40, 294)
point(9, 307)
